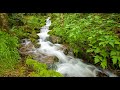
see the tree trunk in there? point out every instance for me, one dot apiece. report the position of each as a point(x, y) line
point(4, 22)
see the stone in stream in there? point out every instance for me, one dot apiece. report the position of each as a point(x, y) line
point(45, 59)
point(100, 74)
point(27, 48)
point(54, 39)
point(65, 47)
point(66, 50)
point(37, 45)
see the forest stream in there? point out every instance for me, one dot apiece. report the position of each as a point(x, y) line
point(67, 65)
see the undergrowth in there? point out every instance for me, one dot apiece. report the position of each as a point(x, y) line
point(91, 35)
point(9, 55)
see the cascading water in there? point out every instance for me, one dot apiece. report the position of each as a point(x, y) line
point(67, 65)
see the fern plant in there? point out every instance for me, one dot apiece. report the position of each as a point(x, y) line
point(8, 51)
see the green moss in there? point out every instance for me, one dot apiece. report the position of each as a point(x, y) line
point(40, 69)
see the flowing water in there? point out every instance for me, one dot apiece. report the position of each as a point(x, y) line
point(67, 65)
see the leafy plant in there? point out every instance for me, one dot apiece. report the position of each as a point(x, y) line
point(16, 19)
point(40, 69)
point(104, 47)
point(8, 51)
point(92, 35)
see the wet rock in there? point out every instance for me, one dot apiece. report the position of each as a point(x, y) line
point(52, 66)
point(27, 47)
point(56, 59)
point(70, 53)
point(67, 50)
point(116, 72)
point(100, 74)
point(37, 45)
point(50, 59)
point(55, 39)
point(45, 59)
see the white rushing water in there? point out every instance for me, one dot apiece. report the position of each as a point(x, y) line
point(67, 65)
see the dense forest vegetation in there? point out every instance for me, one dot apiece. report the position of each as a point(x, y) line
point(93, 37)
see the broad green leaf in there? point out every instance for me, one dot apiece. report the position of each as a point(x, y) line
point(112, 44)
point(101, 43)
point(114, 60)
point(75, 51)
point(104, 53)
point(97, 50)
point(93, 41)
point(118, 58)
point(90, 50)
point(118, 53)
point(112, 53)
point(100, 32)
point(96, 60)
point(71, 35)
point(89, 38)
point(117, 42)
point(101, 39)
point(90, 44)
point(104, 64)
point(107, 37)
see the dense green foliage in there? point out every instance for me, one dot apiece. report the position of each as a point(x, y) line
point(94, 37)
point(40, 69)
point(8, 51)
point(90, 35)
point(26, 25)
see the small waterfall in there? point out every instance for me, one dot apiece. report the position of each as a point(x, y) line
point(67, 65)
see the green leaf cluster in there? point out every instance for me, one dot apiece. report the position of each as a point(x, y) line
point(40, 69)
point(8, 51)
point(91, 35)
